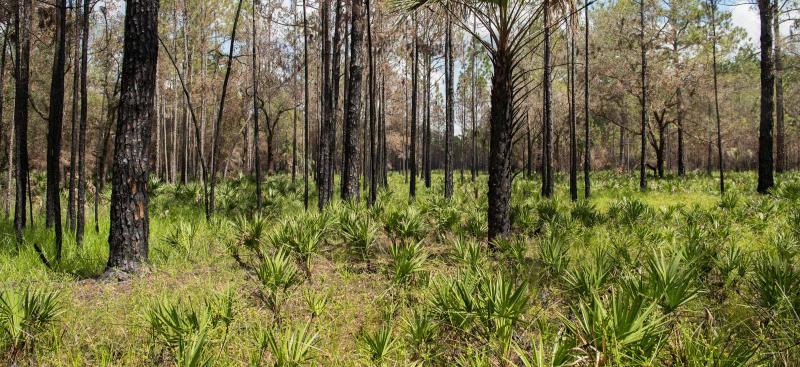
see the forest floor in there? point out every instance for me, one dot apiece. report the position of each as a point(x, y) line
point(677, 275)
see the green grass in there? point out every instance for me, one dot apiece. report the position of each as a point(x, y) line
point(502, 308)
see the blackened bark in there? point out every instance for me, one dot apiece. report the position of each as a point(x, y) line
point(547, 143)
point(80, 212)
point(412, 185)
point(474, 111)
point(129, 230)
point(352, 116)
point(8, 136)
point(587, 142)
point(73, 157)
point(306, 106)
point(716, 97)
point(373, 174)
point(336, 74)
point(449, 123)
point(501, 134)
point(255, 108)
point(573, 119)
point(426, 137)
point(22, 23)
point(766, 179)
point(325, 138)
point(218, 123)
point(643, 102)
point(55, 119)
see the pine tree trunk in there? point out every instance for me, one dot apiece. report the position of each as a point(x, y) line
point(73, 158)
point(8, 136)
point(373, 174)
point(449, 123)
point(412, 185)
point(587, 142)
point(55, 120)
point(501, 135)
point(643, 101)
point(350, 139)
point(426, 165)
point(254, 70)
point(306, 106)
point(780, 133)
point(218, 122)
point(573, 136)
point(547, 144)
point(766, 179)
point(129, 230)
point(22, 23)
point(716, 97)
point(80, 221)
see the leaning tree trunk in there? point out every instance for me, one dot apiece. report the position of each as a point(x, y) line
point(55, 119)
point(218, 122)
point(80, 220)
point(352, 113)
point(501, 135)
point(129, 218)
point(765, 164)
point(22, 23)
point(449, 123)
point(780, 133)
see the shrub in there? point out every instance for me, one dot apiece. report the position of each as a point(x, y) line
point(23, 315)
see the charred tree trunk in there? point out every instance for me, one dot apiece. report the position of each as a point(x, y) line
point(306, 106)
point(255, 108)
point(450, 117)
point(426, 137)
point(412, 185)
point(80, 221)
point(350, 184)
point(587, 142)
point(373, 170)
point(501, 135)
point(73, 158)
point(716, 97)
point(643, 101)
point(573, 122)
point(22, 24)
point(766, 179)
point(547, 143)
point(55, 119)
point(129, 218)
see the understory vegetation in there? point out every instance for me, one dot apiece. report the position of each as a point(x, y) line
point(675, 276)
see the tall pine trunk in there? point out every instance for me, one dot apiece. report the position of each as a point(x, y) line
point(587, 142)
point(129, 218)
point(643, 101)
point(412, 185)
point(80, 221)
point(573, 119)
point(255, 108)
point(22, 24)
point(766, 179)
point(780, 129)
point(449, 123)
point(373, 170)
point(716, 96)
point(547, 143)
point(352, 113)
point(55, 119)
point(218, 122)
point(73, 158)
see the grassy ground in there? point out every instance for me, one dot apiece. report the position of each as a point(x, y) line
point(675, 276)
